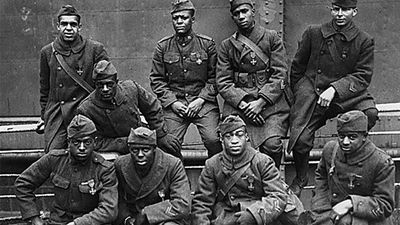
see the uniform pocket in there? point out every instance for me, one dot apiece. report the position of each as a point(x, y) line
point(171, 58)
point(60, 182)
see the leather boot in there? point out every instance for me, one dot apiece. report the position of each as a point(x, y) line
point(301, 179)
point(277, 157)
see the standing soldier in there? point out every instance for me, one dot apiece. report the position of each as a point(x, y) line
point(154, 188)
point(330, 74)
point(183, 78)
point(66, 67)
point(251, 77)
point(115, 107)
point(85, 185)
point(354, 179)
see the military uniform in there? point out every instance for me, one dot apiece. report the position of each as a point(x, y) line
point(183, 70)
point(84, 193)
point(365, 176)
point(114, 121)
point(243, 76)
point(162, 195)
point(60, 95)
point(259, 190)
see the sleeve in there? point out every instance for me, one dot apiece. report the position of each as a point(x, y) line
point(210, 90)
point(205, 196)
point(178, 206)
point(225, 77)
point(151, 109)
point(267, 210)
point(107, 144)
point(123, 209)
point(27, 182)
point(159, 80)
point(274, 87)
point(380, 204)
point(359, 79)
point(301, 58)
point(44, 76)
point(107, 208)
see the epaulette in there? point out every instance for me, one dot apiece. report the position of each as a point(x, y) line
point(204, 37)
point(59, 152)
point(165, 38)
point(97, 158)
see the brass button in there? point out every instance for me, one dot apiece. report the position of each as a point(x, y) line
point(60, 85)
point(62, 102)
point(334, 195)
point(185, 70)
point(321, 52)
point(73, 99)
point(186, 94)
point(319, 71)
point(232, 197)
point(318, 90)
point(183, 44)
point(184, 57)
point(59, 68)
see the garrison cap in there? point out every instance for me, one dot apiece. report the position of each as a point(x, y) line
point(80, 126)
point(237, 3)
point(231, 123)
point(352, 121)
point(345, 3)
point(68, 10)
point(180, 5)
point(103, 70)
point(142, 136)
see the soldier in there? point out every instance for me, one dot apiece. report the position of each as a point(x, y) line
point(251, 77)
point(354, 179)
point(66, 66)
point(154, 188)
point(85, 185)
point(183, 78)
point(115, 108)
point(330, 74)
point(242, 186)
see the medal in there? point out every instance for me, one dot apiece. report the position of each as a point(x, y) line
point(80, 71)
point(161, 193)
point(91, 184)
point(352, 179)
point(250, 179)
point(253, 61)
point(198, 61)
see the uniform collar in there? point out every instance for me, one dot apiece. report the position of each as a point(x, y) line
point(93, 158)
point(361, 154)
point(185, 40)
point(119, 98)
point(233, 163)
point(255, 34)
point(350, 31)
point(65, 48)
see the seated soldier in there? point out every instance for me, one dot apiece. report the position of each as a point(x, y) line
point(115, 108)
point(154, 188)
point(354, 179)
point(241, 185)
point(85, 185)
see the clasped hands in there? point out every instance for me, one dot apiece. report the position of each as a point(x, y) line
point(252, 110)
point(192, 110)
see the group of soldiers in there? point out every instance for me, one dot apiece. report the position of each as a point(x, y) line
point(87, 110)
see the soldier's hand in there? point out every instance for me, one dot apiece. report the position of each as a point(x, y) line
point(179, 108)
point(40, 127)
point(259, 120)
point(326, 97)
point(36, 220)
point(254, 108)
point(245, 218)
point(342, 208)
point(194, 107)
point(71, 223)
point(170, 144)
point(141, 219)
point(129, 221)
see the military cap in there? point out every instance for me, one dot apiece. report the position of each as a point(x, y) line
point(345, 3)
point(142, 136)
point(80, 126)
point(230, 123)
point(103, 70)
point(352, 121)
point(180, 5)
point(237, 3)
point(68, 10)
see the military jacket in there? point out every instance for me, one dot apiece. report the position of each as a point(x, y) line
point(60, 95)
point(114, 121)
point(183, 70)
point(84, 193)
point(259, 190)
point(365, 176)
point(163, 195)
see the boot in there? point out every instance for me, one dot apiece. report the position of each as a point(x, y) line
point(277, 157)
point(301, 179)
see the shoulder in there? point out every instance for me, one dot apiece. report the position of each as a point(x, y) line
point(58, 153)
point(122, 160)
point(168, 159)
point(214, 160)
point(127, 84)
point(93, 43)
point(204, 37)
point(328, 149)
point(166, 38)
point(381, 156)
point(86, 102)
point(99, 160)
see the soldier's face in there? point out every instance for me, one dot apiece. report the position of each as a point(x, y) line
point(235, 141)
point(106, 88)
point(81, 148)
point(351, 141)
point(182, 21)
point(342, 16)
point(243, 16)
point(69, 28)
point(143, 155)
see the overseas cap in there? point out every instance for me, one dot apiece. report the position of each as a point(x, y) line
point(237, 3)
point(80, 126)
point(68, 10)
point(345, 3)
point(231, 123)
point(103, 70)
point(142, 136)
point(180, 5)
point(352, 121)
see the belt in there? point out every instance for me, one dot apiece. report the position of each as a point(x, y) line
point(250, 80)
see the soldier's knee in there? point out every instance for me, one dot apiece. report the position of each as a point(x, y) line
point(372, 115)
point(304, 143)
point(272, 145)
